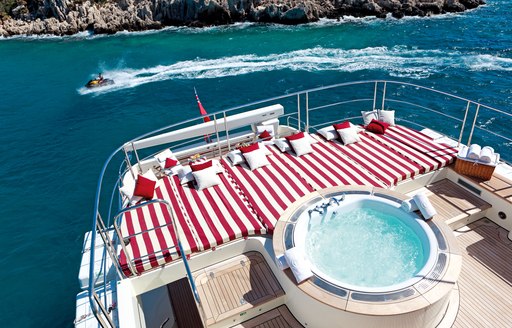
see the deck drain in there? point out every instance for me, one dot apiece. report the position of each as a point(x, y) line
point(212, 275)
point(242, 263)
point(243, 301)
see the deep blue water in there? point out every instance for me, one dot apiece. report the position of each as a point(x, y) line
point(55, 136)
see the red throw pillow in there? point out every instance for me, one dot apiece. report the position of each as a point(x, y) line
point(144, 187)
point(377, 127)
point(201, 166)
point(248, 149)
point(170, 162)
point(298, 135)
point(265, 135)
point(340, 126)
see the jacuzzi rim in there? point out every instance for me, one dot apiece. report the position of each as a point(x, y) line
point(390, 201)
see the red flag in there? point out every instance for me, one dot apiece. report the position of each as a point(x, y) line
point(203, 112)
point(201, 108)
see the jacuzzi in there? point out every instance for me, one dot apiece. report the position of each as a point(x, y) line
point(374, 264)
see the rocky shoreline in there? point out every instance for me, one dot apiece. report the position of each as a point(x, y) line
point(67, 17)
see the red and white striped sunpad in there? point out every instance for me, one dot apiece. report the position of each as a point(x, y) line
point(427, 162)
point(443, 153)
point(215, 215)
point(382, 161)
point(326, 167)
point(204, 219)
point(269, 189)
point(152, 248)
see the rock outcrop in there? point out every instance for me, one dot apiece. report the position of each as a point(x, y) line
point(66, 17)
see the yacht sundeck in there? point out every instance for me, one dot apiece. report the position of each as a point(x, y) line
point(269, 216)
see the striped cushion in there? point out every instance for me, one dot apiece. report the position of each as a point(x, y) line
point(270, 189)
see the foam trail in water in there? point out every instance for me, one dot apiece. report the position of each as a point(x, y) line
point(398, 61)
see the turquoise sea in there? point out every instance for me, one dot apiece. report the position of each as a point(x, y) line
point(55, 136)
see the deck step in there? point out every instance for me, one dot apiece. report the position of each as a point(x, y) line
point(237, 290)
point(184, 304)
point(455, 205)
point(279, 317)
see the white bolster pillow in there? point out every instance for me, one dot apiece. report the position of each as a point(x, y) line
point(424, 205)
point(409, 205)
point(281, 262)
point(474, 151)
point(486, 154)
point(299, 264)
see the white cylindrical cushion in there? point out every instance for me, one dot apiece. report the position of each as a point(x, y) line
point(474, 151)
point(281, 262)
point(409, 205)
point(486, 154)
point(424, 205)
point(299, 264)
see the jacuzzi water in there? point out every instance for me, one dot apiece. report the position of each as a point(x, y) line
point(366, 245)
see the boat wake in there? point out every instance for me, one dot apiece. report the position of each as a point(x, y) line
point(398, 61)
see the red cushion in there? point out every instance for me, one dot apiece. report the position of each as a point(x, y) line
point(298, 135)
point(340, 126)
point(248, 149)
point(201, 166)
point(144, 187)
point(170, 162)
point(265, 135)
point(377, 127)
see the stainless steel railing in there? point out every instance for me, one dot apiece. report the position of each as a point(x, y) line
point(308, 109)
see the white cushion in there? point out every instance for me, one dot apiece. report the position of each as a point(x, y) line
point(162, 156)
point(282, 144)
point(262, 128)
point(349, 135)
point(173, 170)
point(387, 116)
point(299, 264)
point(369, 116)
point(301, 146)
point(236, 157)
point(256, 159)
point(263, 146)
point(185, 175)
point(329, 133)
point(206, 178)
point(218, 167)
point(310, 138)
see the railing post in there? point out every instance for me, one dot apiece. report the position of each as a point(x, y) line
point(473, 126)
point(375, 95)
point(217, 134)
point(463, 124)
point(384, 95)
point(227, 132)
point(298, 111)
point(307, 113)
point(137, 157)
point(128, 164)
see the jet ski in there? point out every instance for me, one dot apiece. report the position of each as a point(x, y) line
point(94, 83)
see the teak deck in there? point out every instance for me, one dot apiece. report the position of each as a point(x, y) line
point(279, 317)
point(239, 284)
point(454, 204)
point(485, 283)
point(499, 185)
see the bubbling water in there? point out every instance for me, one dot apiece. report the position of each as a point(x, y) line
point(365, 247)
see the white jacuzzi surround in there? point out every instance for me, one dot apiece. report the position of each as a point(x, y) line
point(354, 201)
point(419, 302)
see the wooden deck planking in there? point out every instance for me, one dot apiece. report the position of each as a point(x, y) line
point(184, 304)
point(499, 185)
point(279, 317)
point(236, 285)
point(485, 282)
